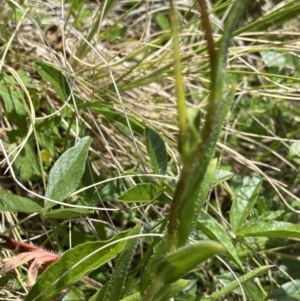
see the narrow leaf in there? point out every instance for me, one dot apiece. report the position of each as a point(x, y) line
point(72, 266)
point(13, 203)
point(133, 297)
point(67, 213)
point(228, 288)
point(114, 288)
point(250, 289)
point(215, 231)
point(66, 173)
point(171, 290)
point(55, 78)
point(148, 276)
point(189, 212)
point(176, 264)
point(157, 151)
point(246, 197)
point(270, 229)
point(144, 192)
point(109, 112)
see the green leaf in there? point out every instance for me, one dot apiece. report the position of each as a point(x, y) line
point(144, 192)
point(169, 291)
point(66, 173)
point(27, 163)
point(11, 101)
point(222, 175)
point(133, 297)
point(13, 203)
point(176, 264)
point(108, 111)
point(67, 213)
point(148, 276)
point(162, 21)
point(289, 291)
point(234, 284)
point(157, 151)
point(113, 289)
point(73, 265)
point(215, 231)
point(274, 59)
point(270, 229)
point(4, 280)
point(189, 211)
point(26, 79)
point(245, 198)
point(114, 33)
point(250, 288)
point(11, 95)
point(295, 149)
point(74, 294)
point(294, 152)
point(55, 78)
point(193, 138)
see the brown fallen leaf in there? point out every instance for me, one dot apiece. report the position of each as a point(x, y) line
point(37, 258)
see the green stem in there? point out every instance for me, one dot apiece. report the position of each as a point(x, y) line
point(180, 94)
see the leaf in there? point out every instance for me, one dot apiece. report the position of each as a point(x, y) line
point(157, 151)
point(250, 288)
point(11, 95)
point(37, 259)
point(133, 297)
point(215, 231)
point(4, 280)
point(234, 284)
point(246, 197)
point(294, 152)
point(55, 78)
point(113, 289)
point(222, 175)
point(148, 276)
point(171, 290)
point(72, 266)
point(193, 138)
point(289, 291)
point(162, 21)
point(144, 192)
point(67, 213)
point(66, 173)
point(111, 113)
point(189, 211)
point(270, 229)
point(27, 163)
point(274, 59)
point(176, 264)
point(114, 33)
point(74, 294)
point(13, 203)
